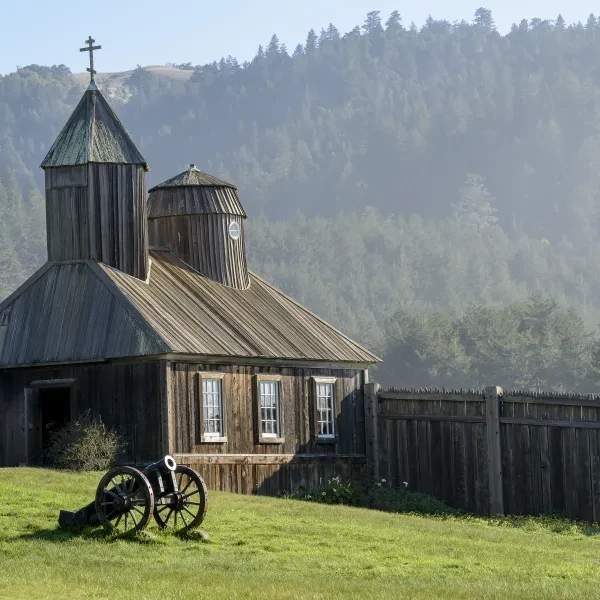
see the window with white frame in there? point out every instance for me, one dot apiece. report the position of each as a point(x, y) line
point(325, 410)
point(212, 407)
point(269, 408)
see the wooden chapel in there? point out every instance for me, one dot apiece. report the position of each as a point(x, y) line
point(147, 315)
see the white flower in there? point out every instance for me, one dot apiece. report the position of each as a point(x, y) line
point(383, 480)
point(405, 483)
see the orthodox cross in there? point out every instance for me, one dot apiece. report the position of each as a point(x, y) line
point(90, 49)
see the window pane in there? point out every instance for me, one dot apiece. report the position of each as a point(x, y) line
point(269, 413)
point(325, 412)
point(211, 406)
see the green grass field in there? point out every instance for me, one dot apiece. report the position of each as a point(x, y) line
point(273, 548)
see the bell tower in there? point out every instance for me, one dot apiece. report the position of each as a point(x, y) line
point(201, 220)
point(96, 188)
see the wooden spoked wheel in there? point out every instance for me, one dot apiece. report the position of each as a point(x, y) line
point(187, 507)
point(124, 500)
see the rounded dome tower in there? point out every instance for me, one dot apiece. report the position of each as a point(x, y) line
point(201, 220)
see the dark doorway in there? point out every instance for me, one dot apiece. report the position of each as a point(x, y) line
point(55, 405)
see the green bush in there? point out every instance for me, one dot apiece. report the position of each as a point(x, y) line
point(379, 496)
point(384, 498)
point(84, 445)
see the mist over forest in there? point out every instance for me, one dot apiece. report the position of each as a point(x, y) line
point(433, 192)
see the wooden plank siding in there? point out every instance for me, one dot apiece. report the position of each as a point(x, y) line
point(436, 443)
point(549, 450)
point(242, 462)
point(203, 242)
point(125, 395)
point(101, 217)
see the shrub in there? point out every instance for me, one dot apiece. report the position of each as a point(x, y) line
point(381, 497)
point(378, 496)
point(84, 445)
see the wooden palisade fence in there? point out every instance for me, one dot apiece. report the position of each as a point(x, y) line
point(489, 452)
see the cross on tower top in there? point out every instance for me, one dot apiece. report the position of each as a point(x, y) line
point(90, 48)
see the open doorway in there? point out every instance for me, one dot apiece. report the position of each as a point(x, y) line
point(55, 409)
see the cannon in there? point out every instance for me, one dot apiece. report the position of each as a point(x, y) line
point(128, 497)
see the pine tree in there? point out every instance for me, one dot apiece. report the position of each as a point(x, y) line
point(484, 19)
point(372, 23)
point(474, 208)
point(311, 42)
point(393, 25)
point(273, 47)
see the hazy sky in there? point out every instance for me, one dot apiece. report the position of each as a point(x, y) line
point(158, 31)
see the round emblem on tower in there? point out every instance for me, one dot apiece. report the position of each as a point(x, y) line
point(234, 230)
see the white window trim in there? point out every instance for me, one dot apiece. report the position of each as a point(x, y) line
point(268, 438)
point(212, 438)
point(330, 437)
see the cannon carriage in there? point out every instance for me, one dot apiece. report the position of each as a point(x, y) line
point(128, 497)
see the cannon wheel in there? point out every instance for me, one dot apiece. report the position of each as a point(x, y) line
point(124, 500)
point(192, 502)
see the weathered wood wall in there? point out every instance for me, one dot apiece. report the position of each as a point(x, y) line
point(242, 462)
point(204, 243)
point(437, 444)
point(98, 212)
point(270, 475)
point(126, 396)
point(550, 449)
point(443, 444)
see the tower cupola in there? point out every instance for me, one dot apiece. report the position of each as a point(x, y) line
point(96, 189)
point(201, 220)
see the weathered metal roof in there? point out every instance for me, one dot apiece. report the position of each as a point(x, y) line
point(71, 312)
point(193, 177)
point(167, 202)
point(93, 133)
point(78, 311)
point(195, 315)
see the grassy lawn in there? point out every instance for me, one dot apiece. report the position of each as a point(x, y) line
point(270, 548)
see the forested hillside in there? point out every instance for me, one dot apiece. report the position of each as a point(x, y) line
point(388, 172)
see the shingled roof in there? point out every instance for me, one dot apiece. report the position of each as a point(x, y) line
point(193, 192)
point(194, 315)
point(85, 310)
point(93, 134)
point(191, 178)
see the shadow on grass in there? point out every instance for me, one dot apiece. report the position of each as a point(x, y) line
point(64, 534)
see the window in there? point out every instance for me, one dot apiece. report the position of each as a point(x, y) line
point(324, 408)
point(269, 410)
point(325, 414)
point(4, 318)
point(234, 230)
point(213, 410)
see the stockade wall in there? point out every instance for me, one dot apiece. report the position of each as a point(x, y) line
point(488, 452)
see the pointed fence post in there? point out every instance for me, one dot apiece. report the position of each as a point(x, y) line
point(371, 430)
point(492, 419)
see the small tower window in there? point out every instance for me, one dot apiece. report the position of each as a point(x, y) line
point(4, 318)
point(234, 230)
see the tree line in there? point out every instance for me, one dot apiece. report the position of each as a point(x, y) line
point(392, 174)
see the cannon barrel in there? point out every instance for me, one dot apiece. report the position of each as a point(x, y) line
point(164, 466)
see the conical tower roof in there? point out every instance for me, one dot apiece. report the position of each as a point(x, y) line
point(93, 134)
point(193, 177)
point(194, 192)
